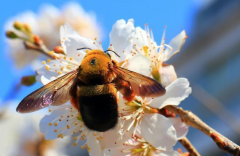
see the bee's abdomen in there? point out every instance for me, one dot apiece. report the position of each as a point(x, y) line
point(99, 111)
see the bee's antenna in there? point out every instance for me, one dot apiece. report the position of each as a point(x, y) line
point(84, 48)
point(112, 51)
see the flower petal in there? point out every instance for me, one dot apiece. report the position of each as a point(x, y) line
point(181, 127)
point(158, 131)
point(116, 151)
point(73, 41)
point(61, 122)
point(167, 74)
point(94, 145)
point(140, 64)
point(44, 80)
point(65, 31)
point(49, 129)
point(176, 43)
point(120, 37)
point(175, 93)
point(164, 153)
point(55, 68)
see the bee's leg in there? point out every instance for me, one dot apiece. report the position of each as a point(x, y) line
point(125, 89)
point(73, 92)
point(74, 102)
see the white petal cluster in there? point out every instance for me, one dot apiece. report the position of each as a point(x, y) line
point(142, 130)
point(48, 21)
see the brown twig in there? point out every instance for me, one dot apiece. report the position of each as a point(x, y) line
point(192, 120)
point(41, 48)
point(189, 147)
point(216, 107)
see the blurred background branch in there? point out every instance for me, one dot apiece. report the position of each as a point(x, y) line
point(216, 107)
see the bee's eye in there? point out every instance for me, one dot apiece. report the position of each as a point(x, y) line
point(93, 61)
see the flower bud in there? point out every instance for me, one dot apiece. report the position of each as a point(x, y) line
point(11, 34)
point(27, 27)
point(58, 49)
point(37, 40)
point(17, 25)
point(28, 80)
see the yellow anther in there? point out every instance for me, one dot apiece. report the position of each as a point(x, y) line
point(51, 52)
point(60, 73)
point(60, 136)
point(43, 62)
point(145, 49)
point(50, 124)
point(74, 144)
point(47, 68)
point(48, 60)
point(50, 110)
point(68, 126)
point(74, 138)
point(82, 147)
point(55, 124)
point(55, 130)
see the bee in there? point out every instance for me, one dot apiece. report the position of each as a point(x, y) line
point(92, 90)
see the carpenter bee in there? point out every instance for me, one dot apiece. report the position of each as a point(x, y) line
point(92, 90)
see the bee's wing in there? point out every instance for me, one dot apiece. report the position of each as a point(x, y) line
point(142, 85)
point(54, 93)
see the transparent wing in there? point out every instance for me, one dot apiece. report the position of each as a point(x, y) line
point(142, 85)
point(54, 93)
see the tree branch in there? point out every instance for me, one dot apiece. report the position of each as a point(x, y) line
point(41, 48)
point(192, 120)
point(189, 147)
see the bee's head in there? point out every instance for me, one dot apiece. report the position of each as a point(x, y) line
point(94, 66)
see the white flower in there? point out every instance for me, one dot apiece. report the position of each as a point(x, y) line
point(145, 45)
point(46, 25)
point(137, 146)
point(159, 131)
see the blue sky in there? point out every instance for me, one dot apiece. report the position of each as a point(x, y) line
point(177, 15)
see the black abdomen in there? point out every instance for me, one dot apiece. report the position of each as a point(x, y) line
point(99, 112)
